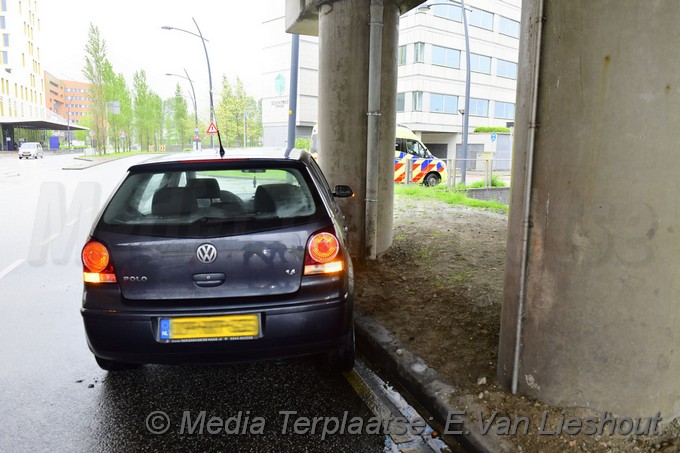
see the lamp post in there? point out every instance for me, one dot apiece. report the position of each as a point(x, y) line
point(466, 109)
point(193, 99)
point(68, 122)
point(203, 40)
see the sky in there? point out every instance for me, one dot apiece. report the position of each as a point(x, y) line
point(134, 40)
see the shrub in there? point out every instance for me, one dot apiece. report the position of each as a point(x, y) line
point(486, 129)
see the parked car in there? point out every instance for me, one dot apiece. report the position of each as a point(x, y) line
point(31, 149)
point(220, 260)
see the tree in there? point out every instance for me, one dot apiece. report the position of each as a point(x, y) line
point(95, 67)
point(179, 117)
point(234, 105)
point(148, 112)
point(116, 89)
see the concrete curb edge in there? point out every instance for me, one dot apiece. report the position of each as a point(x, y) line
point(424, 383)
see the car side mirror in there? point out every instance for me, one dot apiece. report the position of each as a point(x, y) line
point(342, 191)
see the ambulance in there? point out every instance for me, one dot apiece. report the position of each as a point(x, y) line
point(425, 168)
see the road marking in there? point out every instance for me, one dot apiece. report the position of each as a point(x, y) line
point(11, 267)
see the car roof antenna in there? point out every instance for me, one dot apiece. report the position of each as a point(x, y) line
point(220, 140)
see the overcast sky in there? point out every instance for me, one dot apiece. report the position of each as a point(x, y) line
point(134, 40)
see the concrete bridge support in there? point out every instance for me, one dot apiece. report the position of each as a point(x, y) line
point(591, 309)
point(343, 108)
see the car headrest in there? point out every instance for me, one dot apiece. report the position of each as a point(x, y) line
point(205, 187)
point(284, 199)
point(173, 201)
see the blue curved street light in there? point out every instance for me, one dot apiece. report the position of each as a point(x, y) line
point(203, 41)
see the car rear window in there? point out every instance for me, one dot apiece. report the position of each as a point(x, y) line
point(203, 202)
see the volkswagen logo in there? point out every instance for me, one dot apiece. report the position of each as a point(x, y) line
point(206, 253)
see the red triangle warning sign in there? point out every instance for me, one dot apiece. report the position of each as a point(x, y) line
point(212, 129)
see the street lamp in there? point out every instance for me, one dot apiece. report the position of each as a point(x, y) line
point(203, 40)
point(466, 118)
point(193, 99)
point(68, 122)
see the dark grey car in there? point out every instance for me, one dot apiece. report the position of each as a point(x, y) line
point(220, 260)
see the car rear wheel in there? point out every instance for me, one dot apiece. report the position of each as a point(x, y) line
point(112, 365)
point(342, 359)
point(431, 180)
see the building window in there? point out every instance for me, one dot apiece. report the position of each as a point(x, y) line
point(479, 107)
point(508, 27)
point(4, 57)
point(443, 103)
point(5, 39)
point(444, 56)
point(419, 52)
point(480, 63)
point(417, 101)
point(506, 69)
point(4, 5)
point(401, 98)
point(482, 19)
point(452, 12)
point(505, 110)
point(401, 57)
point(2, 23)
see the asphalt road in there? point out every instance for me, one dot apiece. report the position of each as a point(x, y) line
point(55, 398)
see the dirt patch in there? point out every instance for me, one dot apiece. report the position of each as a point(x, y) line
point(439, 290)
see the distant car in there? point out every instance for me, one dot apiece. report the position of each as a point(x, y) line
point(220, 260)
point(31, 149)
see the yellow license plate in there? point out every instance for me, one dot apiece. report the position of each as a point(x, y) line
point(210, 327)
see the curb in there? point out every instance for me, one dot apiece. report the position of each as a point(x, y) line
point(425, 384)
point(88, 163)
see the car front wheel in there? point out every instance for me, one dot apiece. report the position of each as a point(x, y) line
point(431, 180)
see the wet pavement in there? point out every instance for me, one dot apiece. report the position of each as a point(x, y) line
point(55, 398)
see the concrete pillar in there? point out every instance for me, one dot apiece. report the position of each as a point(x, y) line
point(343, 91)
point(594, 295)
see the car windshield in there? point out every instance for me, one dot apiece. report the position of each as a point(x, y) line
point(29, 146)
point(211, 201)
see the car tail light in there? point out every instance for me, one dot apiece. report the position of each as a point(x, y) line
point(323, 254)
point(97, 266)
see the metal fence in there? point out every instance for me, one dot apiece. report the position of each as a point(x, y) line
point(482, 168)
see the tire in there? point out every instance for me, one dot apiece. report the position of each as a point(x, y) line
point(342, 359)
point(431, 180)
point(112, 365)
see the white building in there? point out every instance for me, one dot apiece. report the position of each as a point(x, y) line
point(22, 86)
point(431, 78)
point(276, 79)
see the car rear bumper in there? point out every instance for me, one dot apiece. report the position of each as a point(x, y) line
point(287, 331)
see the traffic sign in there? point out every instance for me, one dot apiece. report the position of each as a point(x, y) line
point(493, 136)
point(196, 138)
point(212, 129)
point(196, 131)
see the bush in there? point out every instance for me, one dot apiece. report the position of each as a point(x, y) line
point(302, 143)
point(487, 129)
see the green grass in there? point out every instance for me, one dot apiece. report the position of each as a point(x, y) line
point(453, 197)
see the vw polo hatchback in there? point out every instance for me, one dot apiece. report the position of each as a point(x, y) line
point(219, 260)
